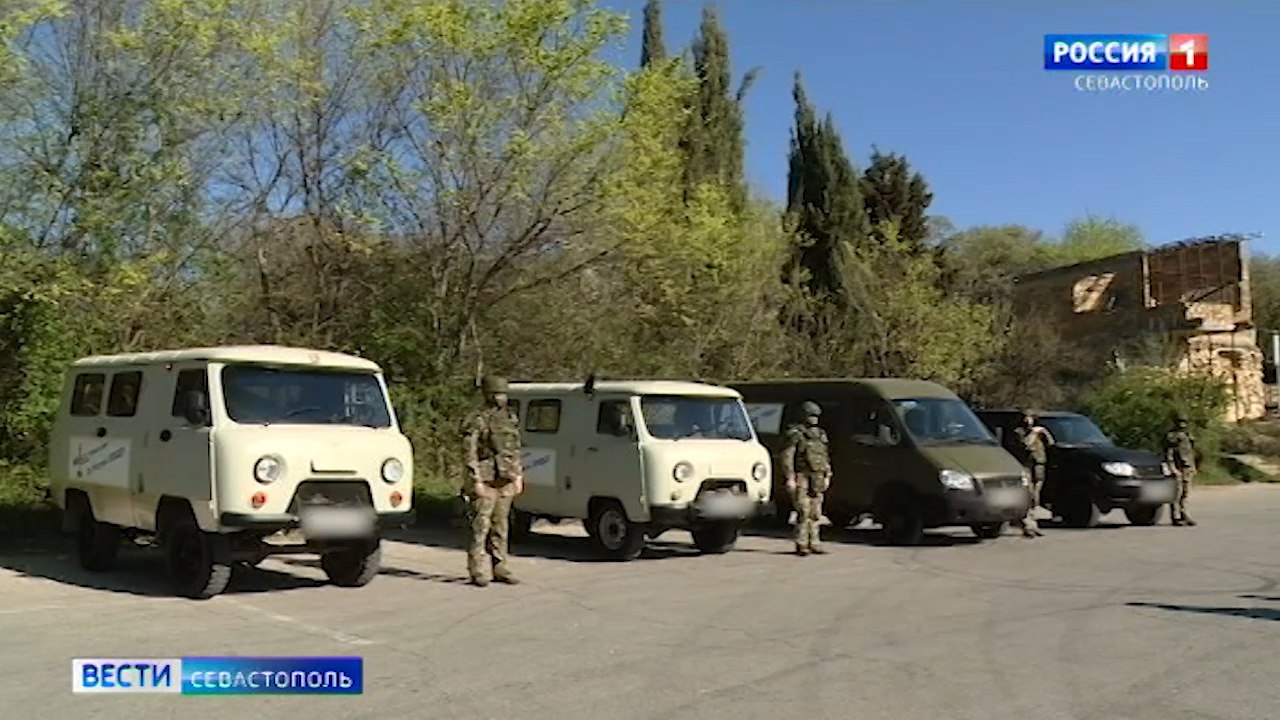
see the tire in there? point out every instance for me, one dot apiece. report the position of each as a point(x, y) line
point(97, 543)
point(988, 531)
point(521, 526)
point(354, 565)
point(194, 570)
point(1144, 514)
point(1078, 511)
point(902, 523)
point(614, 535)
point(715, 538)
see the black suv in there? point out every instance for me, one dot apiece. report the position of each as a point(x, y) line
point(1088, 474)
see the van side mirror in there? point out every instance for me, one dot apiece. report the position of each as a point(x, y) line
point(195, 408)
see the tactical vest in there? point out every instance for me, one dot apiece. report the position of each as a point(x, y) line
point(1184, 451)
point(500, 445)
point(812, 455)
point(1035, 449)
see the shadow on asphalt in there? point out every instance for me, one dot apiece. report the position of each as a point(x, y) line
point(865, 534)
point(140, 572)
point(1250, 613)
point(550, 546)
point(387, 570)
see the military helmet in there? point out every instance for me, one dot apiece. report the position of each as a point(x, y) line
point(811, 409)
point(493, 384)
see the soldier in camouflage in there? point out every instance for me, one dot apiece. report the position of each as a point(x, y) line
point(1180, 452)
point(806, 463)
point(495, 478)
point(1035, 440)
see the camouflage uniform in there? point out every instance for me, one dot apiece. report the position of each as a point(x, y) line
point(806, 464)
point(1180, 452)
point(495, 477)
point(1035, 456)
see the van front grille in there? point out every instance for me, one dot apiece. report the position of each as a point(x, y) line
point(1001, 482)
point(343, 493)
point(737, 486)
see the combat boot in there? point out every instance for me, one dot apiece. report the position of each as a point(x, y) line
point(802, 550)
point(506, 577)
point(480, 581)
point(1186, 520)
point(818, 550)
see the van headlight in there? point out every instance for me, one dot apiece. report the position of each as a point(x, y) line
point(392, 470)
point(268, 469)
point(759, 472)
point(682, 471)
point(1119, 469)
point(956, 480)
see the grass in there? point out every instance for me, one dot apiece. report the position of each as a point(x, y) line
point(25, 510)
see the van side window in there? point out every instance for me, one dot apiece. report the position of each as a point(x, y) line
point(614, 418)
point(86, 398)
point(866, 420)
point(765, 417)
point(188, 381)
point(543, 416)
point(123, 400)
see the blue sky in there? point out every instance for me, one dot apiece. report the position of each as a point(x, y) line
point(958, 86)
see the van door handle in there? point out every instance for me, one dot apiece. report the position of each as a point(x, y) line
point(165, 435)
point(102, 432)
point(592, 449)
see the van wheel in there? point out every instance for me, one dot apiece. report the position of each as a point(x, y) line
point(97, 543)
point(715, 538)
point(1079, 511)
point(193, 569)
point(521, 526)
point(615, 536)
point(1144, 514)
point(353, 565)
point(988, 531)
point(902, 524)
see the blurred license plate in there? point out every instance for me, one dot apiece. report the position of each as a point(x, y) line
point(336, 522)
point(722, 505)
point(1156, 493)
point(1007, 497)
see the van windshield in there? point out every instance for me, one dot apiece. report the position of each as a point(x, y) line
point(670, 417)
point(942, 421)
point(269, 396)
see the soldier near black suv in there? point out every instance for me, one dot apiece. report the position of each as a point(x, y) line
point(1088, 475)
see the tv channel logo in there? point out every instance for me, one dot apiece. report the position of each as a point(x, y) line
point(220, 675)
point(1177, 52)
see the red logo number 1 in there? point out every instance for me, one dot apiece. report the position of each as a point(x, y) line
point(1189, 52)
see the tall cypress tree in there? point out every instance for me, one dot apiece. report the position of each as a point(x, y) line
point(823, 198)
point(652, 49)
point(714, 143)
point(893, 193)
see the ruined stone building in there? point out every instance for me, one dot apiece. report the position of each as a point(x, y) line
point(1189, 302)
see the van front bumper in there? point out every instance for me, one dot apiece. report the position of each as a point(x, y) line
point(971, 508)
point(1128, 492)
point(289, 521)
point(684, 516)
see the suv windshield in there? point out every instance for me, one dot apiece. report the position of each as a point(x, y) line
point(674, 417)
point(260, 395)
point(942, 421)
point(1074, 430)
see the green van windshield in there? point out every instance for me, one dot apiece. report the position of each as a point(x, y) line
point(942, 421)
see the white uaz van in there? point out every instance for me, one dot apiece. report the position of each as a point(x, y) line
point(230, 454)
point(633, 459)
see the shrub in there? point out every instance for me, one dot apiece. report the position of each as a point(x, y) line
point(1137, 407)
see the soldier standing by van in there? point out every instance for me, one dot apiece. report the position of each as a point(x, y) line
point(495, 478)
point(1035, 439)
point(806, 461)
point(1180, 452)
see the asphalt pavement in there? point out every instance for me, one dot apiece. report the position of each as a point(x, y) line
point(1114, 622)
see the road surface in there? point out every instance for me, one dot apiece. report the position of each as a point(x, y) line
point(1116, 622)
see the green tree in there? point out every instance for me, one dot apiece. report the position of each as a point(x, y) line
point(1137, 406)
point(1264, 283)
point(982, 263)
point(892, 193)
point(714, 141)
point(1094, 237)
point(824, 203)
point(652, 48)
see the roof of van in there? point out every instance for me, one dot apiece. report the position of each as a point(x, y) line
point(631, 387)
point(265, 354)
point(892, 388)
